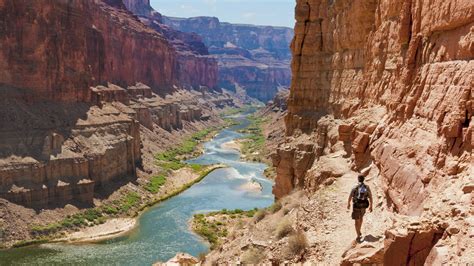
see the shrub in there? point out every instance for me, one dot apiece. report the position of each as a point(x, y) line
point(130, 200)
point(155, 183)
point(92, 214)
point(45, 230)
point(297, 243)
point(110, 210)
point(196, 167)
point(275, 207)
point(283, 229)
point(252, 256)
point(259, 215)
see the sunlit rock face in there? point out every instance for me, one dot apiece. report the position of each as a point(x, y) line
point(255, 59)
point(393, 81)
point(195, 68)
point(62, 48)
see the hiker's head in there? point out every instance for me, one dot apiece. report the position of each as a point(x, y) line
point(361, 178)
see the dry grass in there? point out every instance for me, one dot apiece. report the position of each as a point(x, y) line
point(275, 207)
point(297, 243)
point(259, 215)
point(283, 229)
point(252, 256)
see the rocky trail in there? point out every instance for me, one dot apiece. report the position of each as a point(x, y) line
point(329, 227)
point(325, 220)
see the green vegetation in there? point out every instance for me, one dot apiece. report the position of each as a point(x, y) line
point(25, 243)
point(87, 218)
point(197, 167)
point(132, 199)
point(171, 159)
point(214, 229)
point(234, 111)
point(255, 140)
point(209, 230)
point(249, 213)
point(155, 183)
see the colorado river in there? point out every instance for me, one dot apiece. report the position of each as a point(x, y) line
point(163, 229)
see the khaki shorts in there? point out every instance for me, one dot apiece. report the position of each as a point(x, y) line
point(357, 213)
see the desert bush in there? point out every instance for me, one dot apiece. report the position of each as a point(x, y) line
point(283, 229)
point(259, 215)
point(275, 207)
point(252, 256)
point(297, 243)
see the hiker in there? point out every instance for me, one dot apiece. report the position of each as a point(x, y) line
point(361, 198)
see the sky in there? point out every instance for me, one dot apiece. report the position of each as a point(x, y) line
point(258, 12)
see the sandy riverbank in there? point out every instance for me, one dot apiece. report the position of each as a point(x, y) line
point(110, 229)
point(232, 145)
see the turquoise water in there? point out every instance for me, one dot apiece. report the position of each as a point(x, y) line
point(163, 229)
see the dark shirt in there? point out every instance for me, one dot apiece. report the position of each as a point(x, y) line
point(354, 191)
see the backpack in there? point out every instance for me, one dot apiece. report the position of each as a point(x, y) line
point(361, 196)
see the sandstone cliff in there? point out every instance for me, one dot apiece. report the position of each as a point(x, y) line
point(195, 67)
point(251, 58)
point(58, 49)
point(399, 84)
point(386, 84)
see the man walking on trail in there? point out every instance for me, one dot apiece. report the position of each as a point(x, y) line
point(361, 198)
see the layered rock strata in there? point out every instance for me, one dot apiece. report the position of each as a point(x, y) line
point(195, 67)
point(56, 50)
point(255, 59)
point(394, 90)
point(61, 153)
point(68, 153)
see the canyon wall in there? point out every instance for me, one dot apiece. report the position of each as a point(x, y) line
point(255, 59)
point(195, 67)
point(57, 49)
point(390, 83)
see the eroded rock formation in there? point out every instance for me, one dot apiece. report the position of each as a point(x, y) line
point(195, 67)
point(395, 90)
point(58, 49)
point(255, 59)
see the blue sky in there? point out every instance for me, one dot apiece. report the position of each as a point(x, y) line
point(259, 12)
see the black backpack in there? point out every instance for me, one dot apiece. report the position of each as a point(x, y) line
point(361, 196)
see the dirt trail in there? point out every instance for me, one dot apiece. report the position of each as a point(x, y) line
point(330, 229)
point(322, 215)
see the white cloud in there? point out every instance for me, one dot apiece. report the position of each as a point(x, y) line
point(248, 15)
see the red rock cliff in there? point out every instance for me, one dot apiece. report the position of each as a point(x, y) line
point(195, 67)
point(253, 58)
point(57, 49)
point(393, 80)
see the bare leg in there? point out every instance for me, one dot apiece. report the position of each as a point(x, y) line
point(358, 225)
